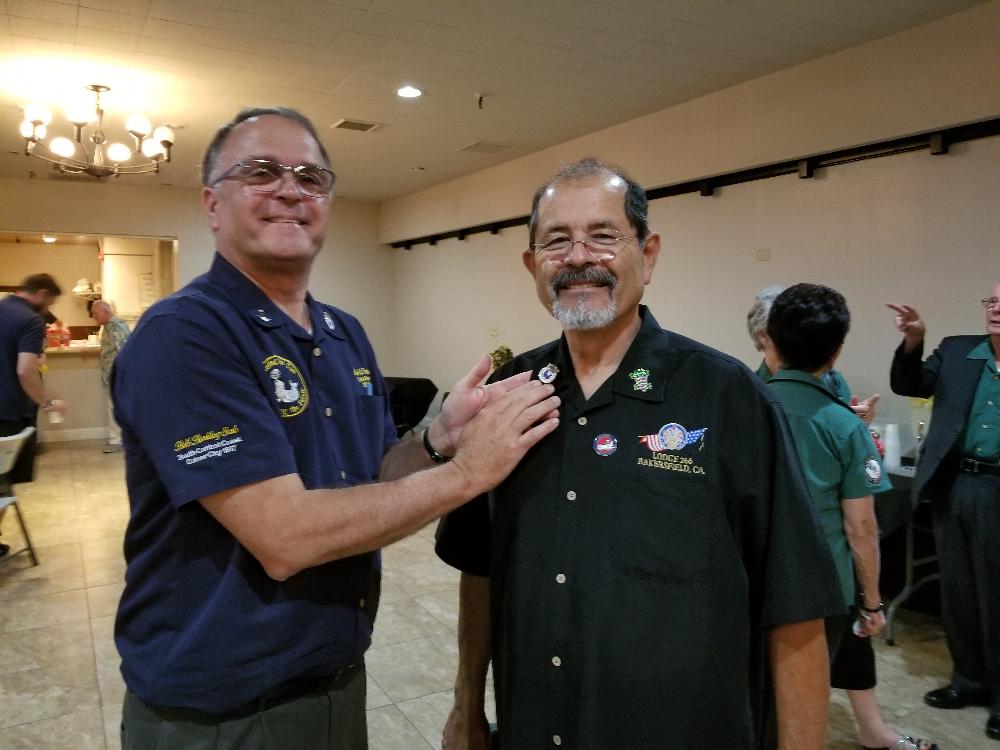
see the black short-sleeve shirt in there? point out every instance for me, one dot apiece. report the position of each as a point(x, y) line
point(639, 554)
point(218, 388)
point(21, 331)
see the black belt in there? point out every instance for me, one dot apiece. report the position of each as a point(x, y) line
point(973, 466)
point(283, 693)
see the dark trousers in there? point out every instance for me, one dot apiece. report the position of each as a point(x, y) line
point(331, 719)
point(968, 541)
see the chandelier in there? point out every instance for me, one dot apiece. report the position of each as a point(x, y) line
point(92, 154)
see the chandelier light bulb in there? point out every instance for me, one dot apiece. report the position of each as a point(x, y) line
point(138, 125)
point(63, 147)
point(164, 135)
point(152, 149)
point(80, 115)
point(119, 152)
point(36, 114)
point(26, 129)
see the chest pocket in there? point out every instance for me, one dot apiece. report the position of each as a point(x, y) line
point(662, 527)
point(363, 442)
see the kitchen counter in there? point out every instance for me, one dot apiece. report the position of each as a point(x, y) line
point(73, 375)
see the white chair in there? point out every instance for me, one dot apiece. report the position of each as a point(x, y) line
point(10, 448)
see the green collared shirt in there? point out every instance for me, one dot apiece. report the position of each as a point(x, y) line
point(113, 336)
point(981, 437)
point(839, 459)
point(832, 379)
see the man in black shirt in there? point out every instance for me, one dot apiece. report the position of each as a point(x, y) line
point(634, 573)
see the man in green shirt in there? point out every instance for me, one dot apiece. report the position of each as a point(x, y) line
point(807, 326)
point(114, 333)
point(959, 473)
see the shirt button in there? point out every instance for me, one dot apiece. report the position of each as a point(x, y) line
point(328, 411)
point(556, 739)
point(581, 421)
point(571, 495)
point(989, 403)
point(986, 427)
point(560, 578)
point(361, 604)
point(317, 352)
point(343, 474)
point(556, 661)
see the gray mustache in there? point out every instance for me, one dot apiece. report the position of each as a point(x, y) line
point(592, 275)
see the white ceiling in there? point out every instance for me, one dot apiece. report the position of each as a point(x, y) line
point(549, 70)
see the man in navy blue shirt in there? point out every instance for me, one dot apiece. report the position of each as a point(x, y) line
point(264, 472)
point(22, 341)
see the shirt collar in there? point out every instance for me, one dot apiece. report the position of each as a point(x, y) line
point(801, 376)
point(983, 350)
point(256, 305)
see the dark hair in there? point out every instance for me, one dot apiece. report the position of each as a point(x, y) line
point(808, 324)
point(219, 139)
point(636, 205)
point(41, 282)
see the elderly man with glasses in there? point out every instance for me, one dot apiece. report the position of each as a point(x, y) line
point(959, 472)
point(639, 571)
point(264, 473)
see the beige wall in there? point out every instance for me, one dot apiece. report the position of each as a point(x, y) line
point(65, 263)
point(938, 74)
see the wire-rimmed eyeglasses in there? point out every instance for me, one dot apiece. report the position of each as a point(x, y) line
point(990, 302)
point(264, 176)
point(600, 245)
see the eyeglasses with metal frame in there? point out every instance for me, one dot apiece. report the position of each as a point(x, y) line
point(264, 176)
point(600, 245)
point(990, 302)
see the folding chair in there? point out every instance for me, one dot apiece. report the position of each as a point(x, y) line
point(10, 448)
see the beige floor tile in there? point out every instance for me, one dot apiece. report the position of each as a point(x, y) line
point(405, 621)
point(83, 730)
point(425, 578)
point(36, 694)
point(104, 570)
point(65, 646)
point(375, 696)
point(60, 568)
point(38, 611)
point(109, 676)
point(429, 714)
point(409, 670)
point(103, 600)
point(388, 729)
point(112, 716)
point(444, 606)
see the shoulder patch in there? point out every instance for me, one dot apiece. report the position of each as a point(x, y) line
point(873, 470)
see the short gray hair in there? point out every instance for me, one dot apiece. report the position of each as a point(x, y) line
point(636, 204)
point(758, 315)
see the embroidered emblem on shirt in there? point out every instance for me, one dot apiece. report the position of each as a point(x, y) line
point(263, 316)
point(364, 377)
point(605, 444)
point(329, 321)
point(873, 470)
point(548, 373)
point(640, 378)
point(290, 390)
point(672, 437)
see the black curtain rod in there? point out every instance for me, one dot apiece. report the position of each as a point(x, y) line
point(936, 141)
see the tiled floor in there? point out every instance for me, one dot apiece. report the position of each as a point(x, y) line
point(59, 681)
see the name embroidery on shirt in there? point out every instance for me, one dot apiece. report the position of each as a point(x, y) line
point(673, 437)
point(207, 445)
point(364, 377)
point(290, 390)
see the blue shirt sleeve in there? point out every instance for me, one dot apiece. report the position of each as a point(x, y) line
point(190, 398)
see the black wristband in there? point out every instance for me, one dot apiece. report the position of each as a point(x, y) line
point(880, 607)
point(435, 456)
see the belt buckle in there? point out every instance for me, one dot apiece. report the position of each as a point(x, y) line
point(970, 465)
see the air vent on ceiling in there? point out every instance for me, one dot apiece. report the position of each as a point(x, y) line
point(485, 147)
point(360, 125)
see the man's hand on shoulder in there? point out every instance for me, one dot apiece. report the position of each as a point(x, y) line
point(465, 401)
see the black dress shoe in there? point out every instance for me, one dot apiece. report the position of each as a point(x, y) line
point(949, 697)
point(993, 726)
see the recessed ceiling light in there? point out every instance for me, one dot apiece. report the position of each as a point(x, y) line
point(48, 238)
point(409, 92)
point(417, 169)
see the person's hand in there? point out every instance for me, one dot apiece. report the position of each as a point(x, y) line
point(872, 623)
point(57, 406)
point(465, 401)
point(865, 409)
point(908, 323)
point(466, 729)
point(497, 438)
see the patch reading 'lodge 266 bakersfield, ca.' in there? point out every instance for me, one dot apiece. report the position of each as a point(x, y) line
point(673, 437)
point(290, 390)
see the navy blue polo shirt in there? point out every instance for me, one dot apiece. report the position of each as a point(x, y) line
point(218, 388)
point(21, 330)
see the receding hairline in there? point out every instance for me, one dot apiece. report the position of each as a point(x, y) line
point(235, 129)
